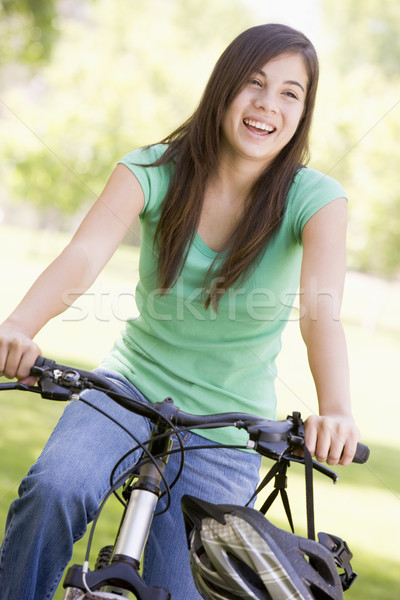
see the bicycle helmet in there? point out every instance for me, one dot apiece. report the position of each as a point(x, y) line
point(236, 554)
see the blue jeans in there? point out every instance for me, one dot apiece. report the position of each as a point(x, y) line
point(62, 492)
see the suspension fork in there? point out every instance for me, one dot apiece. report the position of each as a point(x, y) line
point(142, 497)
point(122, 574)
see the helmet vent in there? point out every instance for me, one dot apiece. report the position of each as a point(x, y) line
point(254, 582)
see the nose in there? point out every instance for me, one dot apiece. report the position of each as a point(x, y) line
point(267, 101)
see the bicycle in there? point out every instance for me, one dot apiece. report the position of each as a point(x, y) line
point(117, 569)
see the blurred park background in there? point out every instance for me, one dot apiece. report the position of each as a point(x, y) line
point(82, 82)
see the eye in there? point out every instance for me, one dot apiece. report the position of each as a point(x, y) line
point(255, 82)
point(291, 95)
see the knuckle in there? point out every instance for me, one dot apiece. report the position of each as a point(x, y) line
point(329, 424)
point(312, 420)
point(321, 458)
point(9, 373)
point(333, 459)
point(347, 456)
point(16, 344)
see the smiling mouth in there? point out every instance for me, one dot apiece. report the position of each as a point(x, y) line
point(258, 126)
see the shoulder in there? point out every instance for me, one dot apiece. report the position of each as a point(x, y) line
point(154, 180)
point(311, 181)
point(145, 155)
point(310, 191)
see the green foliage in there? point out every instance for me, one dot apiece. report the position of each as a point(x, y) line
point(373, 34)
point(27, 30)
point(358, 126)
point(122, 75)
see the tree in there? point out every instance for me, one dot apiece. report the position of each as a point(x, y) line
point(27, 30)
point(358, 123)
point(121, 75)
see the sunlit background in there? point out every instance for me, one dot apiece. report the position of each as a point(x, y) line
point(82, 82)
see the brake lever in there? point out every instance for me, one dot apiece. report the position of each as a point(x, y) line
point(316, 465)
point(46, 387)
point(51, 391)
point(17, 385)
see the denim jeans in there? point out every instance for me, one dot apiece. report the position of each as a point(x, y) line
point(62, 492)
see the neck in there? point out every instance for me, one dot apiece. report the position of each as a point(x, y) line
point(237, 174)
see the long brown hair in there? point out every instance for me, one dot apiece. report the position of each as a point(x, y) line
point(194, 147)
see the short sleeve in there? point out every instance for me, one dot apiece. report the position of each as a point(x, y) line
point(154, 181)
point(310, 191)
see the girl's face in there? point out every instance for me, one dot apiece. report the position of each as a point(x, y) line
point(265, 114)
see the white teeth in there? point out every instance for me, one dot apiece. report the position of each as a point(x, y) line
point(258, 125)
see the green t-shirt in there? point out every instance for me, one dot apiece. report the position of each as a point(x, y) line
point(214, 362)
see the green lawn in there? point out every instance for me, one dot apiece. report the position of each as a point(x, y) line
point(363, 507)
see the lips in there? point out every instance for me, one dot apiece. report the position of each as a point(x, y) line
point(259, 127)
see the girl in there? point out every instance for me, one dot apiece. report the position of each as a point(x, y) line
point(232, 222)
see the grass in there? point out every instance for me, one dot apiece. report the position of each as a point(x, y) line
point(362, 508)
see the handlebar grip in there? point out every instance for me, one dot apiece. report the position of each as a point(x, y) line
point(42, 362)
point(362, 454)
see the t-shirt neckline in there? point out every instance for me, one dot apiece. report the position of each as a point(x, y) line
point(202, 246)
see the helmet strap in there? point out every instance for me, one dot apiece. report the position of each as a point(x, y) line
point(308, 463)
point(278, 471)
point(280, 488)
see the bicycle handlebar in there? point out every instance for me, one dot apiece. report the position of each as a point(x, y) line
point(270, 438)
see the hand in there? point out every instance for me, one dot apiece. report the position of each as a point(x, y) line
point(331, 438)
point(17, 354)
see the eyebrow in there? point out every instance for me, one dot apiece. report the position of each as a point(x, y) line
point(292, 82)
point(288, 82)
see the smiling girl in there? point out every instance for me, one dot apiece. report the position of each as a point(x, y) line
point(232, 224)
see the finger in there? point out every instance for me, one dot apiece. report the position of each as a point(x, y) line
point(20, 358)
point(26, 363)
point(31, 380)
point(310, 434)
point(323, 444)
point(349, 451)
point(335, 450)
point(3, 356)
point(12, 361)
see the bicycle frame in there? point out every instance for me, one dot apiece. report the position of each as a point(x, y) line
point(120, 576)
